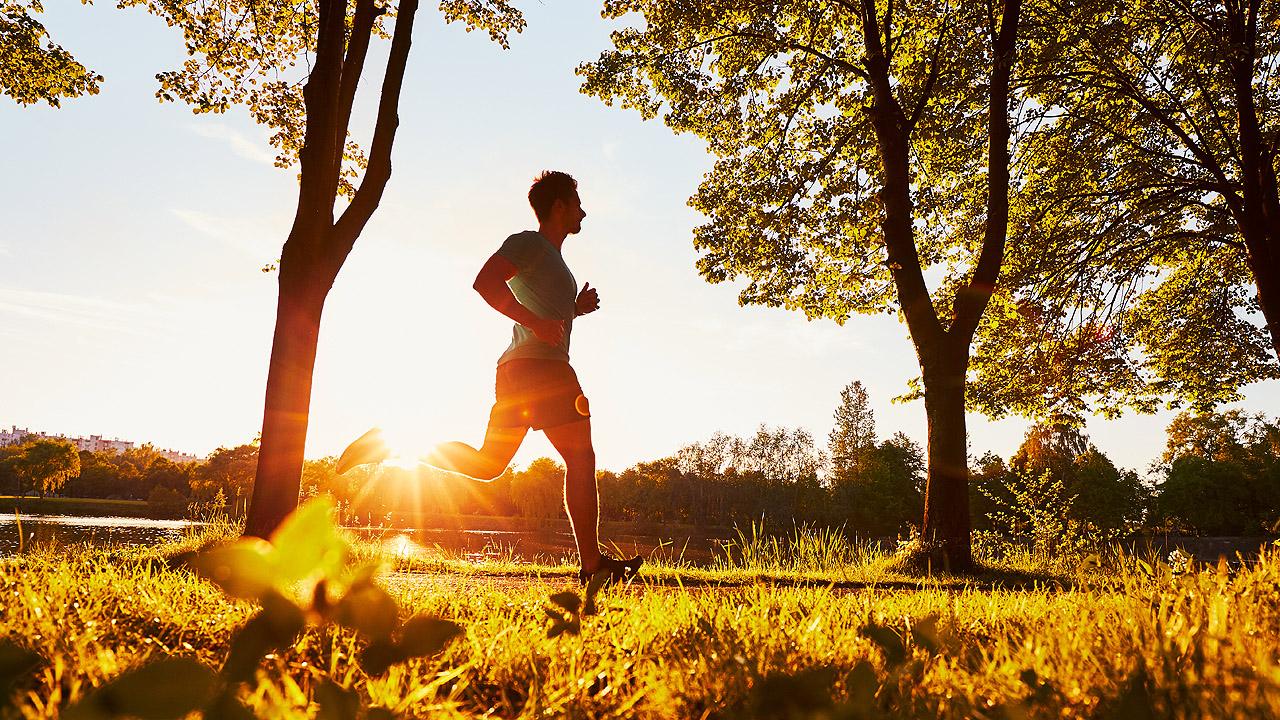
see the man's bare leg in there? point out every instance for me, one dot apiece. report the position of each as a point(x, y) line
point(487, 463)
point(581, 500)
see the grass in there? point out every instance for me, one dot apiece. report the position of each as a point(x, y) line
point(803, 627)
point(74, 506)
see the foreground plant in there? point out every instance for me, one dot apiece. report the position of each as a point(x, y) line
point(303, 576)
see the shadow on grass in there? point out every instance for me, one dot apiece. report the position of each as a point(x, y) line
point(985, 578)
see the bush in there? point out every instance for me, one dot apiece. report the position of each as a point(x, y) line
point(164, 502)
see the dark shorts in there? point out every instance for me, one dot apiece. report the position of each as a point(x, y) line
point(537, 394)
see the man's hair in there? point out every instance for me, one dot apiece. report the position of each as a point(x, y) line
point(548, 187)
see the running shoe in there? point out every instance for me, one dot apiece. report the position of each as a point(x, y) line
point(370, 447)
point(620, 570)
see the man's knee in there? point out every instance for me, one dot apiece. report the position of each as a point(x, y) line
point(489, 471)
point(580, 458)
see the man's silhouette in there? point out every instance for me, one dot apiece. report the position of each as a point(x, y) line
point(528, 281)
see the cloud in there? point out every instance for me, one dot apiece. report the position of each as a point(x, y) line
point(255, 150)
point(242, 235)
point(81, 310)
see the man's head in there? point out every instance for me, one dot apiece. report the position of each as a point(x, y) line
point(554, 197)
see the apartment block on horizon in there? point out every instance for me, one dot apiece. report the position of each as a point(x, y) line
point(93, 443)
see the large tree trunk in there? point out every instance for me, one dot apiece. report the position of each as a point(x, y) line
point(943, 351)
point(317, 246)
point(945, 532)
point(288, 405)
point(1266, 274)
point(1259, 215)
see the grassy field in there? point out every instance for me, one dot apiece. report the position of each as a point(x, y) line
point(74, 506)
point(800, 629)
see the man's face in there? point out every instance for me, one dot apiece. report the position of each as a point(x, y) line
point(572, 213)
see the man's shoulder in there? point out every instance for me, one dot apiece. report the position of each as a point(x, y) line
point(524, 249)
point(525, 236)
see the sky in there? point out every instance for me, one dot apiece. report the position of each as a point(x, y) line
point(133, 305)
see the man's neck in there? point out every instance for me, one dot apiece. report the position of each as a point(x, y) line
point(554, 235)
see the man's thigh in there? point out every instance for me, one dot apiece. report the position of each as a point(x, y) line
point(571, 440)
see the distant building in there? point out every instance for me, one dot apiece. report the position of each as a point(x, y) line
point(13, 436)
point(93, 443)
point(179, 457)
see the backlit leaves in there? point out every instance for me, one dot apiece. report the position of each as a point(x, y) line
point(1134, 257)
point(421, 635)
point(258, 54)
point(778, 92)
point(306, 546)
point(32, 67)
point(166, 688)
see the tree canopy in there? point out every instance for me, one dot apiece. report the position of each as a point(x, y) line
point(1153, 238)
point(41, 465)
point(33, 68)
point(863, 165)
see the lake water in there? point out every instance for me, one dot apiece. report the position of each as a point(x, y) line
point(70, 530)
point(527, 545)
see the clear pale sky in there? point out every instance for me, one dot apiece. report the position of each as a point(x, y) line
point(132, 302)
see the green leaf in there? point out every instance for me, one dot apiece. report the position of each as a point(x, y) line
point(925, 633)
point(427, 635)
point(862, 684)
point(242, 569)
point(277, 625)
point(561, 626)
point(593, 588)
point(378, 656)
point(369, 610)
point(568, 600)
point(889, 642)
point(15, 663)
point(308, 543)
point(336, 702)
point(167, 688)
point(226, 706)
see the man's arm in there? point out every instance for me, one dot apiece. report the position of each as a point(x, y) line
point(491, 283)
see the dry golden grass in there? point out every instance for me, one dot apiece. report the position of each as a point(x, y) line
point(1132, 640)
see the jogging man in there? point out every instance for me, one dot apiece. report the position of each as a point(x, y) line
point(528, 281)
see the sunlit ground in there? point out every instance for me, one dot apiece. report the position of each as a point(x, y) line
point(747, 639)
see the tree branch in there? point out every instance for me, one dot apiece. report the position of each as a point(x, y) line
point(320, 94)
point(934, 66)
point(357, 47)
point(384, 134)
point(972, 300)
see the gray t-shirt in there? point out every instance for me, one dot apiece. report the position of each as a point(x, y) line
point(543, 284)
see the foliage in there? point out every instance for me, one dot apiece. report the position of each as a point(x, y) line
point(303, 575)
point(854, 432)
point(538, 490)
point(1186, 641)
point(32, 67)
point(134, 474)
point(259, 55)
point(229, 471)
point(1140, 281)
point(1059, 498)
point(887, 496)
point(1220, 475)
point(40, 465)
point(1102, 495)
point(781, 95)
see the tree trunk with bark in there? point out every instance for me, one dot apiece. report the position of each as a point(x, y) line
point(1258, 212)
point(318, 246)
point(943, 352)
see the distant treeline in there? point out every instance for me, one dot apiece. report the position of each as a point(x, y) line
point(1220, 475)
